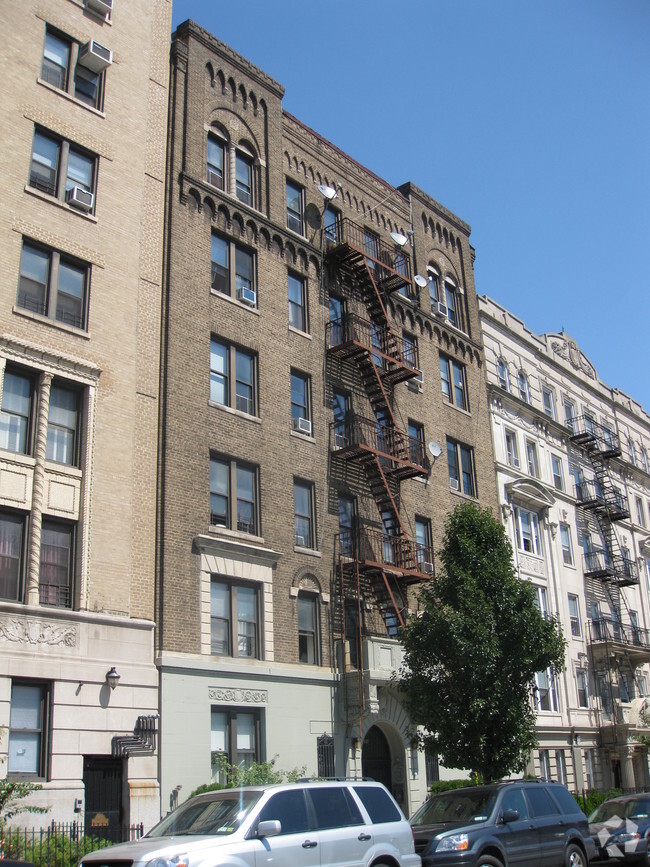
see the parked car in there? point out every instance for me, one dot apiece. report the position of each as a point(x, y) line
point(526, 822)
point(620, 828)
point(307, 824)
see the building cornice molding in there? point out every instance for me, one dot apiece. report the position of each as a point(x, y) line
point(220, 546)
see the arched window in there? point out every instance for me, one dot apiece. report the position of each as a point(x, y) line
point(504, 377)
point(631, 451)
point(450, 300)
point(644, 460)
point(524, 391)
point(434, 287)
point(216, 161)
point(308, 619)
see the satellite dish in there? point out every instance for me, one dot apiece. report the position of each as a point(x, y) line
point(327, 192)
point(434, 449)
point(420, 281)
point(399, 239)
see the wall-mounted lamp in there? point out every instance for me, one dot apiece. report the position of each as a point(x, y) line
point(112, 677)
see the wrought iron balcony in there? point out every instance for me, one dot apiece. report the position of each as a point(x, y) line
point(605, 499)
point(389, 264)
point(359, 438)
point(632, 640)
point(352, 335)
point(601, 563)
point(377, 550)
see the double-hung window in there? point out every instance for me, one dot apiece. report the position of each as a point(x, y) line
point(303, 514)
point(300, 402)
point(631, 451)
point(54, 285)
point(16, 412)
point(416, 442)
point(558, 473)
point(234, 495)
point(294, 207)
point(244, 178)
point(640, 512)
point(308, 644)
point(331, 220)
point(452, 379)
point(528, 537)
point(512, 452)
point(531, 458)
point(424, 545)
point(233, 374)
point(63, 426)
point(234, 735)
point(574, 615)
point(234, 619)
point(12, 553)
point(548, 401)
point(77, 72)
point(57, 563)
point(28, 730)
point(546, 691)
point(297, 303)
point(582, 687)
point(215, 161)
point(569, 414)
point(524, 388)
point(451, 295)
point(238, 281)
point(503, 374)
point(62, 170)
point(434, 288)
point(460, 462)
point(567, 545)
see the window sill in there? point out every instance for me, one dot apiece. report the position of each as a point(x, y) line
point(236, 534)
point(310, 552)
point(63, 469)
point(456, 408)
point(69, 97)
point(462, 494)
point(234, 301)
point(231, 411)
point(17, 458)
point(54, 323)
point(301, 333)
point(305, 437)
point(32, 191)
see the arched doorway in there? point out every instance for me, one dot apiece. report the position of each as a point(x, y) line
point(376, 759)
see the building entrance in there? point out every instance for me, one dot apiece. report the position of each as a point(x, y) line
point(376, 758)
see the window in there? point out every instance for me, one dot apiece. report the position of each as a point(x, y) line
point(235, 735)
point(640, 512)
point(294, 207)
point(531, 458)
point(234, 619)
point(424, 546)
point(452, 378)
point(524, 389)
point(567, 545)
point(216, 161)
point(644, 460)
point(308, 628)
point(57, 555)
point(416, 443)
point(233, 495)
point(527, 526)
point(347, 514)
point(460, 461)
point(582, 687)
point(503, 374)
point(244, 178)
point(548, 399)
point(431, 767)
point(12, 551)
point(237, 282)
point(297, 303)
point(290, 809)
point(434, 288)
point(541, 602)
point(450, 300)
point(570, 414)
point(512, 452)
point(301, 402)
point(331, 219)
point(53, 285)
point(631, 451)
point(60, 169)
point(409, 351)
point(61, 55)
point(233, 377)
point(546, 697)
point(341, 410)
point(574, 615)
point(28, 724)
point(560, 765)
point(544, 766)
point(303, 514)
point(16, 412)
point(558, 474)
point(62, 426)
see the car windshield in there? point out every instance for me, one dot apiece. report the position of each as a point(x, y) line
point(220, 815)
point(460, 808)
point(637, 808)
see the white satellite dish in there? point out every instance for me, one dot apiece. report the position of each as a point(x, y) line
point(399, 239)
point(434, 449)
point(420, 280)
point(327, 192)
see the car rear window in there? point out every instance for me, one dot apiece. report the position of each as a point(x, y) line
point(378, 803)
point(565, 799)
point(335, 808)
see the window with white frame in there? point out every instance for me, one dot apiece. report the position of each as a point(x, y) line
point(294, 207)
point(644, 460)
point(452, 378)
point(301, 402)
point(574, 615)
point(548, 401)
point(233, 374)
point(232, 270)
point(631, 451)
point(512, 451)
point(234, 739)
point(298, 318)
point(560, 767)
point(524, 388)
point(234, 495)
point(567, 544)
point(460, 463)
point(558, 473)
point(582, 687)
point(544, 765)
point(451, 299)
point(67, 68)
point(528, 536)
point(640, 512)
point(244, 178)
point(546, 695)
point(569, 414)
point(531, 458)
point(308, 643)
point(53, 284)
point(28, 730)
point(63, 425)
point(303, 514)
point(234, 618)
point(503, 374)
point(216, 161)
point(541, 602)
point(63, 170)
point(434, 287)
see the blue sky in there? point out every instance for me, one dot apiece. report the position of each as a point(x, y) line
point(530, 120)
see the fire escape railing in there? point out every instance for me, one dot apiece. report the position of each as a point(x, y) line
point(593, 436)
point(358, 435)
point(387, 261)
point(352, 333)
point(594, 495)
point(377, 549)
point(606, 629)
point(617, 568)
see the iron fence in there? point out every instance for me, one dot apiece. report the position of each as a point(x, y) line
point(61, 844)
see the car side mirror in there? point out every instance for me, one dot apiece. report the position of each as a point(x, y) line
point(509, 816)
point(269, 828)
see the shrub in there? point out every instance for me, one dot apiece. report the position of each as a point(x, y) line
point(594, 798)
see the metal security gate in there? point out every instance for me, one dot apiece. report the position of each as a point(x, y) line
point(375, 758)
point(103, 784)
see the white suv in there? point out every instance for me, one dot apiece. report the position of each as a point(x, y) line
point(319, 824)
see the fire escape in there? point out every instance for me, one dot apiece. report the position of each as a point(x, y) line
point(617, 648)
point(376, 562)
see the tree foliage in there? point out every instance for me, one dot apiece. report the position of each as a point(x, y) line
point(472, 654)
point(12, 794)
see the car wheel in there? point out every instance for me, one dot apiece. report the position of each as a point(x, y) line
point(488, 861)
point(574, 856)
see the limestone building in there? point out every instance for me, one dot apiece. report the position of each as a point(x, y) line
point(573, 482)
point(83, 119)
point(323, 408)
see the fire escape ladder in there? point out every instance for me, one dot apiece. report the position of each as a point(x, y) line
point(387, 501)
point(397, 605)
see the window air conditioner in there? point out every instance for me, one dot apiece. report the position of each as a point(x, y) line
point(79, 198)
point(101, 7)
point(246, 296)
point(454, 484)
point(94, 56)
point(427, 567)
point(302, 425)
point(301, 542)
point(442, 309)
point(419, 376)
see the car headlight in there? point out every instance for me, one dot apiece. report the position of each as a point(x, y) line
point(174, 861)
point(623, 838)
point(454, 843)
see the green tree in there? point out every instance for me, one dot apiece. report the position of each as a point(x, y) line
point(472, 653)
point(12, 793)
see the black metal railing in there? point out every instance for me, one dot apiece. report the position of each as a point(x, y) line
point(372, 546)
point(385, 256)
point(606, 629)
point(370, 435)
point(380, 341)
point(593, 495)
point(602, 563)
point(592, 435)
point(61, 843)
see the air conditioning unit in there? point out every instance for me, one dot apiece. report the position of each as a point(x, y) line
point(427, 567)
point(419, 376)
point(79, 198)
point(454, 484)
point(302, 425)
point(94, 56)
point(301, 542)
point(101, 7)
point(442, 309)
point(246, 296)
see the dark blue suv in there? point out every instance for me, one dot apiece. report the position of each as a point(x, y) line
point(526, 822)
